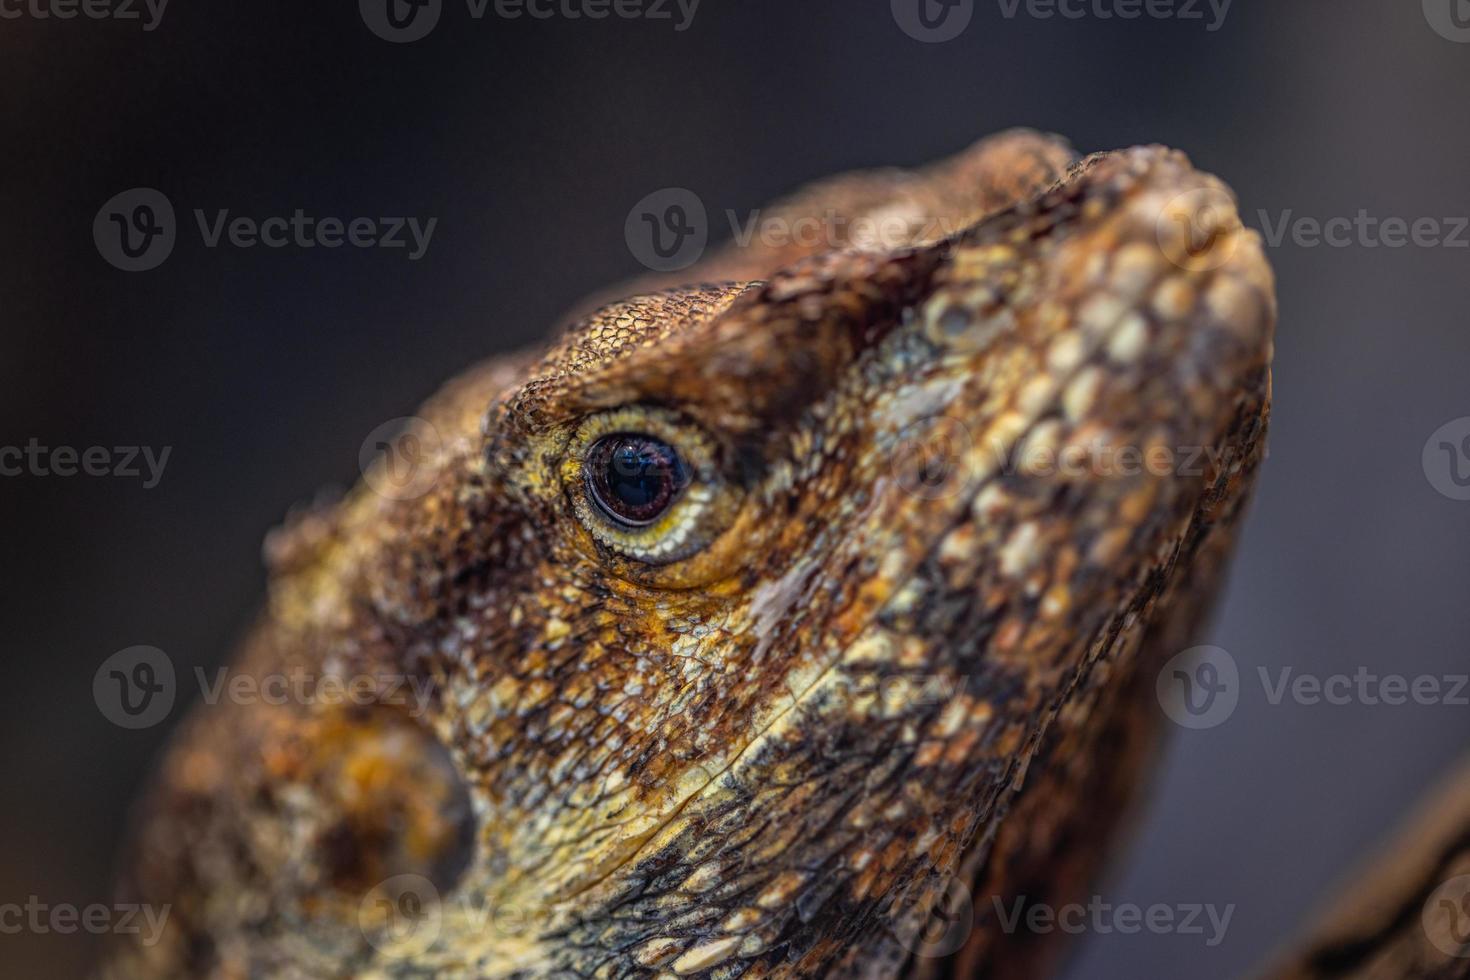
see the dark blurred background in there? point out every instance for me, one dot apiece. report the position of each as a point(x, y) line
point(530, 140)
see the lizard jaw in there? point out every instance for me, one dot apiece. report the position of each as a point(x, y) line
point(1003, 595)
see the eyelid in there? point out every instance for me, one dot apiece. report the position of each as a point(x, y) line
point(697, 449)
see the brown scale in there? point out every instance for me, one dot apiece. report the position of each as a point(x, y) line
point(770, 755)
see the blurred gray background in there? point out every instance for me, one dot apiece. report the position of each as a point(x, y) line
point(530, 140)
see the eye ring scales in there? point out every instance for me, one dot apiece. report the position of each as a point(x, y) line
point(648, 484)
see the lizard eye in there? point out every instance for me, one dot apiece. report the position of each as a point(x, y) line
point(648, 484)
point(634, 478)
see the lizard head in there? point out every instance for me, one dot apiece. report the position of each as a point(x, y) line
point(748, 605)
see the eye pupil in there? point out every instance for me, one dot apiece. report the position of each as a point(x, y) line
point(635, 478)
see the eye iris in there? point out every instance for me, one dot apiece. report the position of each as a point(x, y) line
point(635, 478)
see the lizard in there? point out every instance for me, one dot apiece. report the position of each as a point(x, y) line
point(767, 620)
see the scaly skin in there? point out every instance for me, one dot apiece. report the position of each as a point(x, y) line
point(884, 643)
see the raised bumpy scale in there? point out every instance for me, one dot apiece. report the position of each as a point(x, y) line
point(890, 640)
